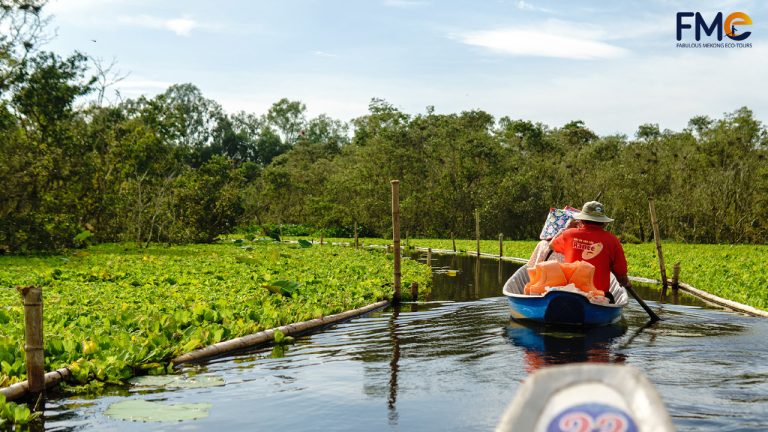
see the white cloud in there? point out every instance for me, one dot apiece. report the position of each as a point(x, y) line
point(666, 89)
point(525, 6)
point(181, 26)
point(559, 41)
point(325, 54)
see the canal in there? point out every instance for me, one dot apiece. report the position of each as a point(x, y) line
point(453, 363)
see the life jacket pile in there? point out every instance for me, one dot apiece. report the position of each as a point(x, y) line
point(555, 274)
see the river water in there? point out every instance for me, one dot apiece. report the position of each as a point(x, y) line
point(454, 363)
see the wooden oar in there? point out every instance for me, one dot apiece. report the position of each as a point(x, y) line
point(651, 313)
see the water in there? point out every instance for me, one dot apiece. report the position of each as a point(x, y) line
point(455, 363)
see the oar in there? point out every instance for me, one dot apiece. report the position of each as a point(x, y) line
point(651, 313)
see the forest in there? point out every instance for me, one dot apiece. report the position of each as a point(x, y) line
point(82, 167)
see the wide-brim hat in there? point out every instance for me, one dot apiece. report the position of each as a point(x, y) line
point(592, 211)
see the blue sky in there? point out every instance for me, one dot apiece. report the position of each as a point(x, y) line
point(612, 64)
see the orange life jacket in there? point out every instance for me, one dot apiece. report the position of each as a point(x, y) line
point(553, 273)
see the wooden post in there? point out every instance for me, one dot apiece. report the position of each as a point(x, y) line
point(357, 244)
point(429, 257)
point(396, 237)
point(33, 334)
point(414, 291)
point(659, 253)
point(477, 230)
point(501, 246)
point(453, 240)
point(321, 238)
point(676, 276)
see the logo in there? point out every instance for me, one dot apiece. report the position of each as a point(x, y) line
point(735, 27)
point(589, 249)
point(592, 417)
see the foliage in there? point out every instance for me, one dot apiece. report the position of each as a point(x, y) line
point(112, 312)
point(15, 414)
point(734, 272)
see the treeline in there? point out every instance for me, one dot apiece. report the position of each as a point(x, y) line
point(178, 168)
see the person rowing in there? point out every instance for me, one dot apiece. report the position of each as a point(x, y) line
point(593, 244)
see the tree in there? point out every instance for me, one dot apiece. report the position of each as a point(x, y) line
point(288, 118)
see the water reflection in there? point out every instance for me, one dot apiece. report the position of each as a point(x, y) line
point(547, 345)
point(393, 367)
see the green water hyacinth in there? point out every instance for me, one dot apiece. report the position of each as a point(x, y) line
point(112, 312)
point(734, 272)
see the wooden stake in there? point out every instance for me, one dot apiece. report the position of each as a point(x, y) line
point(321, 238)
point(33, 333)
point(477, 230)
point(501, 246)
point(659, 252)
point(414, 291)
point(453, 240)
point(429, 257)
point(357, 244)
point(676, 277)
point(396, 237)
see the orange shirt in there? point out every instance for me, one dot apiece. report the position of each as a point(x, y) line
point(598, 247)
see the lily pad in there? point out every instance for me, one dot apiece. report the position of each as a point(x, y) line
point(284, 287)
point(246, 260)
point(146, 411)
point(176, 381)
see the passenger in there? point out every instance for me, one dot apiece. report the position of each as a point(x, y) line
point(542, 252)
point(593, 244)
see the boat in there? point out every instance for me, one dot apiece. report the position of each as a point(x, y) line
point(586, 397)
point(561, 306)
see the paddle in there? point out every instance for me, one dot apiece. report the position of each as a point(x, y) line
point(651, 313)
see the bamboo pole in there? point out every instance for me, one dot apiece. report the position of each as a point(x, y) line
point(21, 389)
point(477, 230)
point(357, 244)
point(501, 245)
point(414, 291)
point(396, 237)
point(453, 240)
point(659, 253)
point(33, 334)
point(268, 335)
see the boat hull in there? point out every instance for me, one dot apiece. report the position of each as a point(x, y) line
point(561, 307)
point(557, 307)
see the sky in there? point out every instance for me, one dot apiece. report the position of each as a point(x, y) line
point(612, 64)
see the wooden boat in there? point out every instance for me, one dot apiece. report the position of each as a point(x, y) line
point(586, 397)
point(562, 307)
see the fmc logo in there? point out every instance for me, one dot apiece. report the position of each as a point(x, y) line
point(732, 25)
